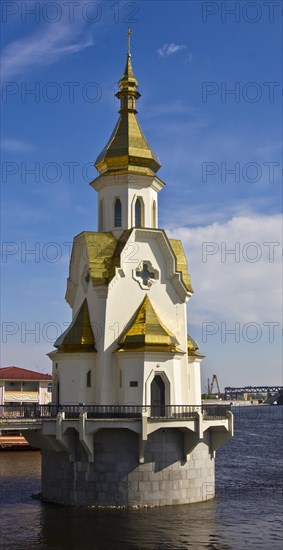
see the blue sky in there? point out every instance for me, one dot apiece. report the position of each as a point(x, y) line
point(187, 56)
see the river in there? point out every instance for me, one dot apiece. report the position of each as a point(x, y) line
point(245, 515)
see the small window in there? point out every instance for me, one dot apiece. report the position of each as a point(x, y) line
point(88, 379)
point(30, 386)
point(118, 213)
point(13, 386)
point(134, 384)
point(138, 213)
point(120, 378)
point(100, 216)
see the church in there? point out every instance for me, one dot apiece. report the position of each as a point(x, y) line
point(130, 428)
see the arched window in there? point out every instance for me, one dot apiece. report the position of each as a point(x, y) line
point(100, 216)
point(154, 214)
point(138, 213)
point(118, 213)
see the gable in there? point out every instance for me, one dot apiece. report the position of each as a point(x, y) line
point(103, 254)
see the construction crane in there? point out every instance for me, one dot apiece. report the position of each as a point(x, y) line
point(210, 385)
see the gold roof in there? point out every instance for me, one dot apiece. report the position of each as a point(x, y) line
point(102, 252)
point(79, 336)
point(100, 249)
point(128, 79)
point(193, 347)
point(127, 150)
point(181, 262)
point(146, 332)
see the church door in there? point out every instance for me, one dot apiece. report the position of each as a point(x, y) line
point(157, 396)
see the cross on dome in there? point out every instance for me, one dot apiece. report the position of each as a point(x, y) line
point(129, 40)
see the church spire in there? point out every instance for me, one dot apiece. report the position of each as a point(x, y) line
point(127, 150)
point(128, 84)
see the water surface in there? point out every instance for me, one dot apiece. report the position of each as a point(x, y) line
point(245, 515)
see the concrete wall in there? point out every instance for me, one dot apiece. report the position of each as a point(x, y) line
point(70, 370)
point(116, 478)
point(142, 367)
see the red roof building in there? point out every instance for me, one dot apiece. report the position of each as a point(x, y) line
point(19, 385)
point(16, 373)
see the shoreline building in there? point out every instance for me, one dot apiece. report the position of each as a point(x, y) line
point(130, 430)
point(23, 386)
point(20, 390)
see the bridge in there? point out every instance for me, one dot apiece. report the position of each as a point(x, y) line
point(30, 416)
point(269, 391)
point(57, 428)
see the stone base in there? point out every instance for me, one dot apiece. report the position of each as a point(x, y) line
point(116, 478)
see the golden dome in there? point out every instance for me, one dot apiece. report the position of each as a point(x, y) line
point(127, 150)
point(146, 332)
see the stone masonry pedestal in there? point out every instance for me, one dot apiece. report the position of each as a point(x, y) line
point(117, 478)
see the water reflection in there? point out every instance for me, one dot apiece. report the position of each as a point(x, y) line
point(170, 527)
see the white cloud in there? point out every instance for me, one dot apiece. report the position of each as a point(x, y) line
point(234, 287)
point(207, 215)
point(44, 47)
point(170, 49)
point(174, 107)
point(15, 146)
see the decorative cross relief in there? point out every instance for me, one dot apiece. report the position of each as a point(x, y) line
point(145, 274)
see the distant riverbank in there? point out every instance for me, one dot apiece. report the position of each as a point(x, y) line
point(235, 403)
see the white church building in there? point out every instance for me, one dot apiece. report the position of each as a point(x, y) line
point(130, 428)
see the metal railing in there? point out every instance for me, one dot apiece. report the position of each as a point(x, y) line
point(114, 412)
point(27, 411)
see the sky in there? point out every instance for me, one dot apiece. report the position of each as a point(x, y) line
point(209, 77)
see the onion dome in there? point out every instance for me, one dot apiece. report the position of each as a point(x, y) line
point(127, 150)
